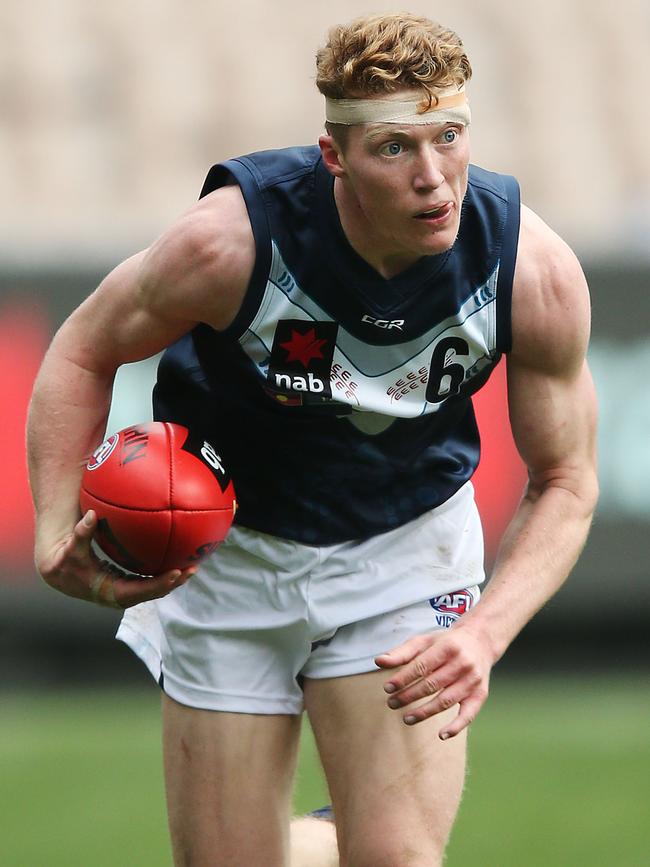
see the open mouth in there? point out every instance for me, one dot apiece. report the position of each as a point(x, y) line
point(439, 213)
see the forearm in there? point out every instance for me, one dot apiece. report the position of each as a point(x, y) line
point(537, 554)
point(67, 419)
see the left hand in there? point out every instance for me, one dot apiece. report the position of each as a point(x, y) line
point(71, 566)
point(453, 667)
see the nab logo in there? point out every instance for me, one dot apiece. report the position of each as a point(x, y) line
point(299, 383)
point(383, 323)
point(451, 606)
point(301, 357)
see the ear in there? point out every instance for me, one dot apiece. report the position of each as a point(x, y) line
point(333, 158)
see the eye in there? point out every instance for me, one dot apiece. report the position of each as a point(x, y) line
point(391, 149)
point(449, 136)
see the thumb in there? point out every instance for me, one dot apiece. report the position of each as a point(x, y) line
point(85, 528)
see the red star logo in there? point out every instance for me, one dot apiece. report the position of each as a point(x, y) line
point(303, 347)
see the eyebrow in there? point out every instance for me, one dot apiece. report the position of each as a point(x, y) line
point(394, 130)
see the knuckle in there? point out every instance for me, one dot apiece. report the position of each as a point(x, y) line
point(430, 686)
point(481, 694)
point(420, 668)
point(469, 669)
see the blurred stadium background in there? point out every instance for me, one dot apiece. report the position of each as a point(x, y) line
point(111, 115)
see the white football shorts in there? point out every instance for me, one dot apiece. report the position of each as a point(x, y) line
point(263, 612)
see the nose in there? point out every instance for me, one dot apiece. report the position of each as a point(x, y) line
point(427, 175)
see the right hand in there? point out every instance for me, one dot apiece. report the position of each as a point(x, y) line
point(72, 567)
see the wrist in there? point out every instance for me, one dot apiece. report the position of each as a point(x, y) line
point(51, 527)
point(484, 632)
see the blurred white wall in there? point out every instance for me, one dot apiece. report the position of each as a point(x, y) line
point(112, 112)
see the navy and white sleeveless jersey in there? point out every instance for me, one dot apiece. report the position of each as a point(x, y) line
point(341, 400)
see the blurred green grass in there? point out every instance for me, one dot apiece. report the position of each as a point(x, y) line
point(559, 776)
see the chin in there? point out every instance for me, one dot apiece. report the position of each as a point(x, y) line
point(440, 245)
point(435, 242)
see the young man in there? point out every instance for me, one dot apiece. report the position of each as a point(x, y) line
point(329, 312)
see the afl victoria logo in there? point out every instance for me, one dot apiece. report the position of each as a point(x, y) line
point(450, 606)
point(103, 453)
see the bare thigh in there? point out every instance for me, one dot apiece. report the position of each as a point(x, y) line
point(395, 789)
point(229, 781)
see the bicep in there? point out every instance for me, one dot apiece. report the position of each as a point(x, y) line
point(551, 397)
point(553, 419)
point(197, 271)
point(150, 299)
point(118, 324)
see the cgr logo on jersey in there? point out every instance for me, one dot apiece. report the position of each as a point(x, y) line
point(383, 323)
point(301, 357)
point(451, 606)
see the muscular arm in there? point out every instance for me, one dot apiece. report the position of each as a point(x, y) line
point(197, 271)
point(553, 418)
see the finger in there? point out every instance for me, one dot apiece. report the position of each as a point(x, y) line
point(467, 714)
point(132, 591)
point(405, 652)
point(427, 686)
point(425, 663)
point(444, 700)
point(469, 703)
point(102, 590)
point(84, 531)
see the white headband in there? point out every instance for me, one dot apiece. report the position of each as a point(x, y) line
point(403, 107)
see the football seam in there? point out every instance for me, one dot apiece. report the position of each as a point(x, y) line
point(163, 509)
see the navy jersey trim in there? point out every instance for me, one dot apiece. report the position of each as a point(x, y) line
point(242, 171)
point(508, 262)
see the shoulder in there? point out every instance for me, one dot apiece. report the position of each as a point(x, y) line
point(204, 261)
point(550, 301)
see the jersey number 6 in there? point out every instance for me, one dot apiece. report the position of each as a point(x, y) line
point(446, 375)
